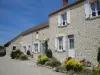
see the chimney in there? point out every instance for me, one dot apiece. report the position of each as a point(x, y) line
point(65, 3)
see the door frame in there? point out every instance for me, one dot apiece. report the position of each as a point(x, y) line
point(71, 52)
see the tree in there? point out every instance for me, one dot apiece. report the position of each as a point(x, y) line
point(98, 55)
point(48, 52)
point(1, 47)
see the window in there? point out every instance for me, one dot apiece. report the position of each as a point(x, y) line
point(29, 47)
point(95, 6)
point(25, 48)
point(64, 18)
point(71, 41)
point(14, 47)
point(60, 43)
point(36, 47)
point(37, 35)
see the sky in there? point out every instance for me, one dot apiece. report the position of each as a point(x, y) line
point(19, 15)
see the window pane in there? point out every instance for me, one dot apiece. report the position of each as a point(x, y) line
point(60, 42)
point(29, 47)
point(14, 47)
point(24, 48)
point(71, 41)
point(93, 7)
point(98, 6)
point(36, 47)
point(64, 18)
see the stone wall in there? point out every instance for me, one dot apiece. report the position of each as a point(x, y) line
point(86, 34)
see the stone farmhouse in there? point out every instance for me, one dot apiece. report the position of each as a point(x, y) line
point(72, 31)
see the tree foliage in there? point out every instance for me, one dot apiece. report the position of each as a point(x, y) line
point(1, 47)
point(98, 55)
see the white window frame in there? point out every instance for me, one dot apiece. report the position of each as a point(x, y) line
point(36, 42)
point(30, 49)
point(35, 47)
point(58, 43)
point(96, 11)
point(25, 50)
point(67, 17)
point(63, 19)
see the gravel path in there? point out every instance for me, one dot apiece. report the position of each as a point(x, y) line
point(15, 67)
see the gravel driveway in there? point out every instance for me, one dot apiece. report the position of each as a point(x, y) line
point(15, 67)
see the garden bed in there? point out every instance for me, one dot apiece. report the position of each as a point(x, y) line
point(70, 66)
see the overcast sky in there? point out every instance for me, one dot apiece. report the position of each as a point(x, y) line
point(19, 15)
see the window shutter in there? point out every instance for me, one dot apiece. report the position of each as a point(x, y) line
point(68, 16)
point(59, 19)
point(87, 9)
point(38, 47)
point(37, 35)
point(64, 43)
point(33, 50)
point(26, 48)
point(56, 44)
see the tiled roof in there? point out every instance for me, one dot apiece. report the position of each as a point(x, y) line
point(36, 28)
point(33, 29)
point(75, 3)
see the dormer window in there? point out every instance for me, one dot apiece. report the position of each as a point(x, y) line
point(95, 6)
point(92, 8)
point(64, 18)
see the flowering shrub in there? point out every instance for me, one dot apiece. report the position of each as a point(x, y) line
point(42, 60)
point(53, 62)
point(98, 69)
point(73, 65)
point(18, 55)
point(22, 56)
point(67, 59)
point(86, 63)
point(15, 54)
